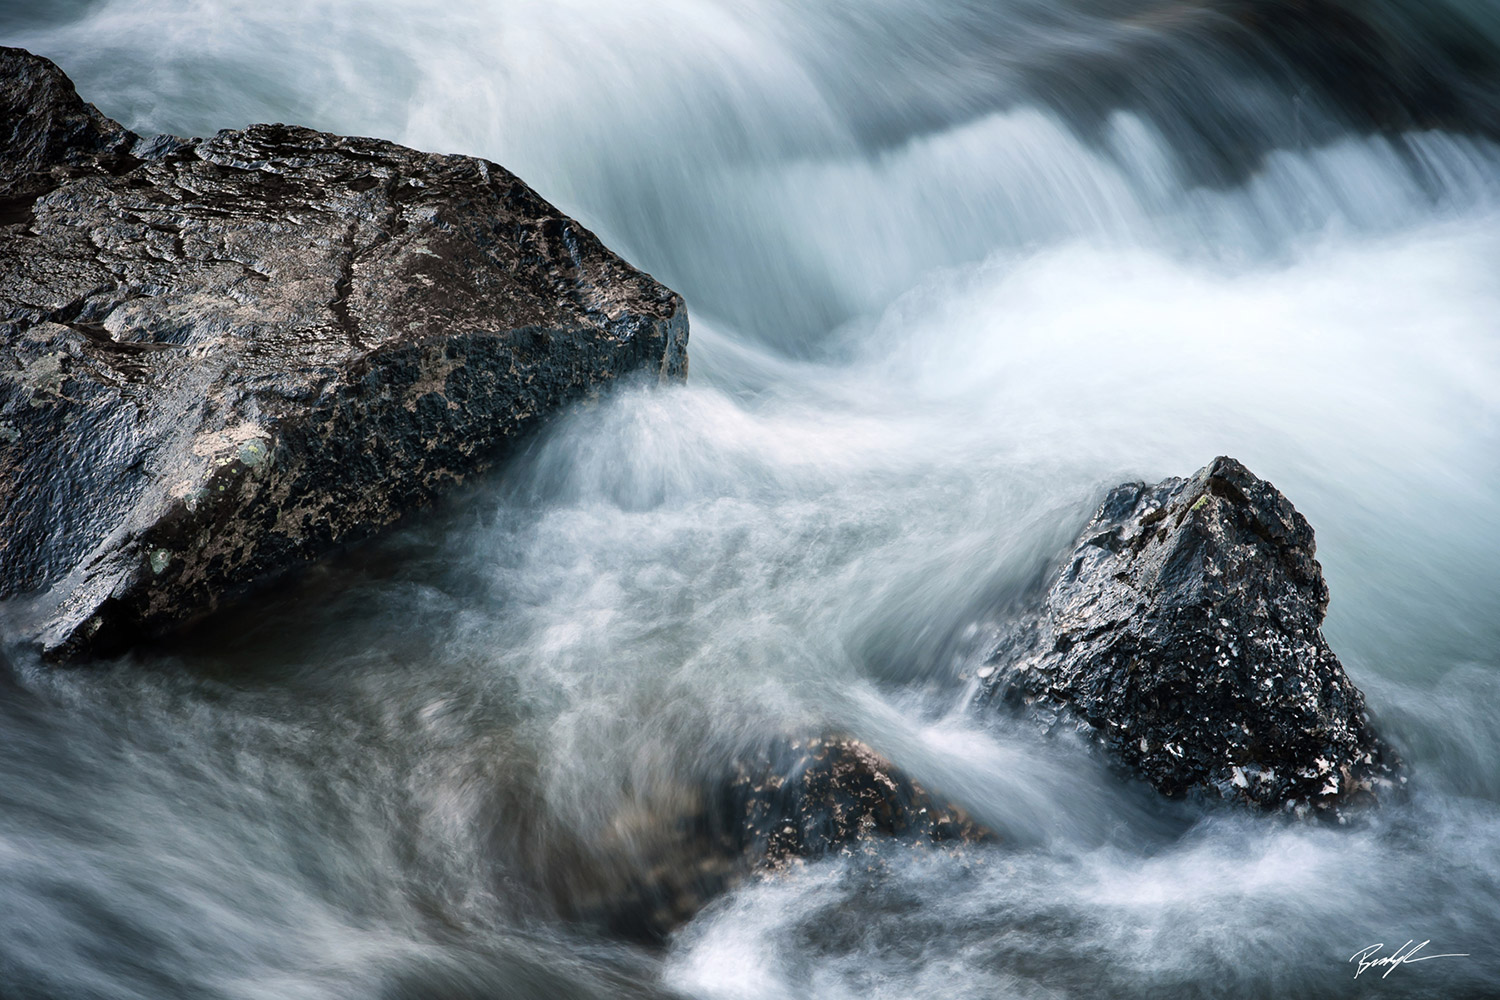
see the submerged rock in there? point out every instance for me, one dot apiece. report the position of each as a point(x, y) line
point(808, 798)
point(221, 357)
point(1184, 628)
point(788, 801)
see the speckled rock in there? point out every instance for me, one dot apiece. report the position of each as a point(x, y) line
point(221, 357)
point(1184, 631)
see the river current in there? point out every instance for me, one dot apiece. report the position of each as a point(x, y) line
point(955, 268)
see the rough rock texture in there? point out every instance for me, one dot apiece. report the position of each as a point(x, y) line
point(1184, 628)
point(789, 800)
point(220, 357)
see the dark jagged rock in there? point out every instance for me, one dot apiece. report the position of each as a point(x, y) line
point(221, 357)
point(1185, 629)
point(788, 801)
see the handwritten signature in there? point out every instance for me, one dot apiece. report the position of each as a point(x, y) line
point(1369, 958)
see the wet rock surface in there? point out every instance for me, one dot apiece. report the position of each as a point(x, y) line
point(1184, 630)
point(789, 801)
point(221, 357)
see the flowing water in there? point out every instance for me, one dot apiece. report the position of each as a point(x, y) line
point(955, 268)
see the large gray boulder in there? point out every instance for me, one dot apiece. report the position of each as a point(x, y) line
point(220, 358)
point(1184, 631)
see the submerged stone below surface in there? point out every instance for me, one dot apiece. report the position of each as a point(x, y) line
point(1184, 628)
point(786, 801)
point(221, 357)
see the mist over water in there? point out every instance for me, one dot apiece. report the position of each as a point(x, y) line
point(955, 269)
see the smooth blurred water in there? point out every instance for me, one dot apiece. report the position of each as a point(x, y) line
point(955, 269)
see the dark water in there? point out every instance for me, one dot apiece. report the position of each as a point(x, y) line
point(955, 268)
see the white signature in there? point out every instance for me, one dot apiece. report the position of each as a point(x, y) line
point(1407, 953)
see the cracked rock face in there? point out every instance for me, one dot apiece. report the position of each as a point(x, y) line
point(221, 357)
point(1184, 630)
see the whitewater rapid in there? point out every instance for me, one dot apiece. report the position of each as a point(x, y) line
point(939, 306)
